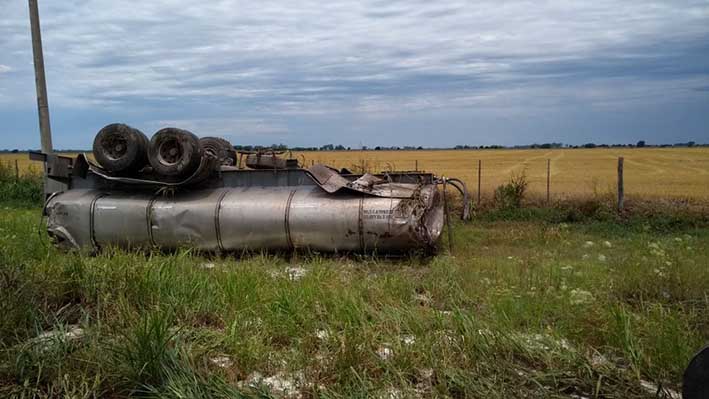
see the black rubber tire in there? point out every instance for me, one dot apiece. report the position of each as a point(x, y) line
point(695, 384)
point(174, 152)
point(119, 148)
point(220, 148)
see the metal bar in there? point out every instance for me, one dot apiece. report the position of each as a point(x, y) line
point(40, 81)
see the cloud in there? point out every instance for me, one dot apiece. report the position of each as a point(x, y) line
point(373, 59)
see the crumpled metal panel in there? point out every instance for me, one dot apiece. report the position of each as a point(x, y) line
point(70, 218)
point(410, 223)
point(332, 181)
point(327, 178)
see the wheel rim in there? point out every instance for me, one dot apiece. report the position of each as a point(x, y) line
point(115, 146)
point(169, 152)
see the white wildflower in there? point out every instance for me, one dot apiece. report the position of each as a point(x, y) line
point(408, 339)
point(423, 299)
point(598, 359)
point(221, 361)
point(607, 244)
point(322, 334)
point(588, 244)
point(393, 393)
point(385, 353)
point(578, 296)
point(281, 385)
point(295, 273)
point(601, 258)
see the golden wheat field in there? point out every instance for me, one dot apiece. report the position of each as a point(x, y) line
point(656, 172)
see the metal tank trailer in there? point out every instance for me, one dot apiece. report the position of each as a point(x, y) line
point(179, 191)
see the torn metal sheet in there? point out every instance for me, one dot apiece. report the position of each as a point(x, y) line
point(332, 181)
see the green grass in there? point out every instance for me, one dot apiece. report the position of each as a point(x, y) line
point(20, 188)
point(523, 308)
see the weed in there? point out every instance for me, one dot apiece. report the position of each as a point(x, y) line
point(511, 194)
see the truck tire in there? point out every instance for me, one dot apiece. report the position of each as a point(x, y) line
point(174, 152)
point(220, 148)
point(695, 381)
point(119, 148)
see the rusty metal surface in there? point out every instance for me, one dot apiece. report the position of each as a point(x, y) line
point(248, 218)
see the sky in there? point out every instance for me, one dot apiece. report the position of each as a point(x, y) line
point(369, 72)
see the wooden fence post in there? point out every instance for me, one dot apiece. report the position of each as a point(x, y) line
point(17, 172)
point(621, 188)
point(548, 181)
point(417, 165)
point(480, 164)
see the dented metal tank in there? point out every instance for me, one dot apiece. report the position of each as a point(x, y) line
point(247, 219)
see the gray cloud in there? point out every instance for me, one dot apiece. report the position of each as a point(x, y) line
point(284, 70)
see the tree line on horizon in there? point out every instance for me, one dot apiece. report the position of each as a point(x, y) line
point(339, 147)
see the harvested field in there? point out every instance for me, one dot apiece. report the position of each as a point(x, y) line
point(649, 172)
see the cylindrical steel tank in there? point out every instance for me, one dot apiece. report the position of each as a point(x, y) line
point(247, 218)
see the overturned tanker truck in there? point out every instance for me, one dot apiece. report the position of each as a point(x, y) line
point(179, 191)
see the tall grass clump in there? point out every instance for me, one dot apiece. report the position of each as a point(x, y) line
point(20, 189)
point(511, 194)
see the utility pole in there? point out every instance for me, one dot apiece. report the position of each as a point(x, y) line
point(40, 82)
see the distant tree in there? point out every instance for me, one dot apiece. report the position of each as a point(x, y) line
point(589, 145)
point(691, 144)
point(377, 148)
point(15, 151)
point(640, 144)
point(419, 148)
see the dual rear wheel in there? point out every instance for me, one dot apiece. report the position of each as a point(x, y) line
point(172, 152)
